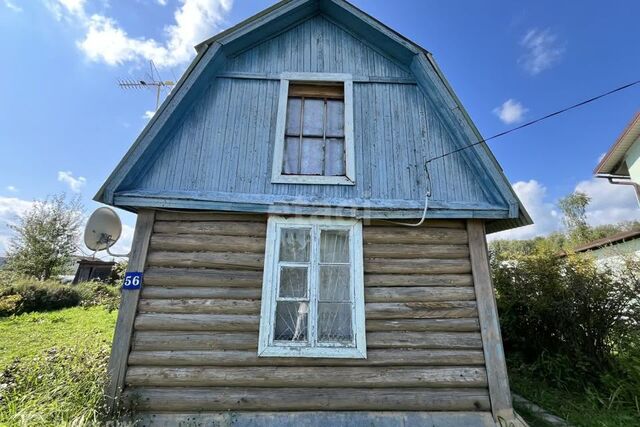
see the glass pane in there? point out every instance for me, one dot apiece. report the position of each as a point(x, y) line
point(291, 154)
point(312, 155)
point(334, 322)
point(293, 282)
point(334, 283)
point(313, 121)
point(335, 118)
point(293, 116)
point(334, 157)
point(291, 321)
point(295, 244)
point(334, 246)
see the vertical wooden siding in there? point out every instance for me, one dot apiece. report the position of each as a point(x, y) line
point(196, 331)
point(225, 143)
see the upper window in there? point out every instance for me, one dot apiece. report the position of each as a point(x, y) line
point(314, 143)
point(313, 294)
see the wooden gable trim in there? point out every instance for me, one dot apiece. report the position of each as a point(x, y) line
point(499, 392)
point(127, 311)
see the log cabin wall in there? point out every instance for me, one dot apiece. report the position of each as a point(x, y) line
point(195, 338)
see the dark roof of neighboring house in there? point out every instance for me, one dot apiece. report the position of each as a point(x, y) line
point(612, 163)
point(606, 241)
point(91, 260)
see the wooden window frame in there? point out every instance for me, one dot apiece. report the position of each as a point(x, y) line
point(277, 177)
point(266, 345)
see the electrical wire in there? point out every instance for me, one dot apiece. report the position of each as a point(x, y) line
point(532, 122)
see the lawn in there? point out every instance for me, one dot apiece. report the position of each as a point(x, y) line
point(29, 335)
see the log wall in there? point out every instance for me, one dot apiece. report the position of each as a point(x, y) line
point(195, 340)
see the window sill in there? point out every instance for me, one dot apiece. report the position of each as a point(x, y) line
point(323, 352)
point(311, 179)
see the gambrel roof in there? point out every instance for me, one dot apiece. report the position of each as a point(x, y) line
point(175, 162)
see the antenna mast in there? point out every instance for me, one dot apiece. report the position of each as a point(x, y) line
point(153, 82)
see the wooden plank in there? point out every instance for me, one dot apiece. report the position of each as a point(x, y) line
point(421, 310)
point(418, 294)
point(307, 399)
point(197, 340)
point(417, 266)
point(207, 306)
point(419, 235)
point(206, 260)
point(380, 250)
point(499, 391)
point(195, 243)
point(433, 340)
point(289, 376)
point(126, 314)
point(199, 306)
point(211, 216)
point(194, 322)
point(158, 276)
point(211, 322)
point(422, 325)
point(382, 357)
point(391, 418)
point(418, 280)
point(429, 223)
point(216, 228)
point(200, 292)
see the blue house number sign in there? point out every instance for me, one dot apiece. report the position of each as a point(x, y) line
point(132, 280)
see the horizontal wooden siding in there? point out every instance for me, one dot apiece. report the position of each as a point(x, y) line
point(196, 331)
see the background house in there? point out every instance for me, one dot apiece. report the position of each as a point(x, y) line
point(621, 164)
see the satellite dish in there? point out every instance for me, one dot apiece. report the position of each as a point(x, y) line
point(102, 230)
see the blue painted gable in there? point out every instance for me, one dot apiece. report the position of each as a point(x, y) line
point(213, 148)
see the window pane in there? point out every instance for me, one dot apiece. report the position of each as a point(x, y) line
point(291, 155)
point(312, 155)
point(334, 322)
point(291, 321)
point(293, 282)
point(335, 118)
point(295, 244)
point(293, 116)
point(334, 246)
point(334, 157)
point(334, 283)
point(313, 121)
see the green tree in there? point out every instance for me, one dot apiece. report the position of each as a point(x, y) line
point(574, 208)
point(46, 237)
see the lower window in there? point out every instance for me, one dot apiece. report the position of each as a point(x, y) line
point(313, 291)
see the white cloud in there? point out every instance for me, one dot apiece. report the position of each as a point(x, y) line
point(11, 208)
point(542, 50)
point(511, 111)
point(12, 189)
point(162, 2)
point(148, 114)
point(12, 6)
point(123, 245)
point(75, 184)
point(546, 219)
point(609, 204)
point(105, 41)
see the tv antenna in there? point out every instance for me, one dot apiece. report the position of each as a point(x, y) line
point(152, 81)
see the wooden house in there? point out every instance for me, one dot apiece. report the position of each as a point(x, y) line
point(281, 283)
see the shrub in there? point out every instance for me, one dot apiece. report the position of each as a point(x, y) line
point(60, 387)
point(39, 296)
point(99, 293)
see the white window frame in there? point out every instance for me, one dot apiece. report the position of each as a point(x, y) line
point(277, 177)
point(266, 345)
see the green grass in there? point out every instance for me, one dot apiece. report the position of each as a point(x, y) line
point(584, 409)
point(53, 367)
point(31, 334)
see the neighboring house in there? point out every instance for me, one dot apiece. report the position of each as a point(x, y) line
point(614, 250)
point(90, 268)
point(276, 290)
point(621, 164)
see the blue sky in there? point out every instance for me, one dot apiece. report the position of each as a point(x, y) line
point(64, 123)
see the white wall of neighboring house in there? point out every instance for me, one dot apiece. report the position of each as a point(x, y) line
point(632, 159)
